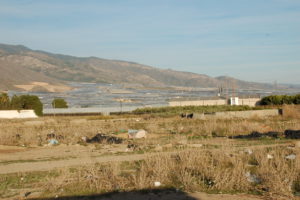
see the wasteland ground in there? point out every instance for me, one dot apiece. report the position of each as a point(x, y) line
point(187, 158)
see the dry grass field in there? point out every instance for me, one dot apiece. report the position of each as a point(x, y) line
point(190, 158)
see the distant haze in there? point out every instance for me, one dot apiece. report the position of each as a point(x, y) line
point(252, 40)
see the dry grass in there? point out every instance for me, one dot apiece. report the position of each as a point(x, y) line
point(291, 111)
point(210, 171)
point(214, 168)
point(34, 132)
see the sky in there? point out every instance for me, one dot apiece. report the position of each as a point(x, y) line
point(252, 40)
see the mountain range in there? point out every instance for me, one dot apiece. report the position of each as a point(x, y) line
point(25, 69)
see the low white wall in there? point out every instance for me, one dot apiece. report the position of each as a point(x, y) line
point(249, 102)
point(20, 114)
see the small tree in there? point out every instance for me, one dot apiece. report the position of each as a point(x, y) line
point(59, 103)
point(15, 103)
point(4, 101)
point(31, 102)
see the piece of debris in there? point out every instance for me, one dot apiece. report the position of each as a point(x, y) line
point(18, 136)
point(157, 184)
point(248, 151)
point(136, 134)
point(52, 135)
point(252, 178)
point(269, 156)
point(256, 134)
point(27, 194)
point(188, 116)
point(291, 157)
point(101, 138)
point(132, 147)
point(292, 134)
point(52, 142)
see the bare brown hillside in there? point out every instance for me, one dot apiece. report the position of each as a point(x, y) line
point(21, 65)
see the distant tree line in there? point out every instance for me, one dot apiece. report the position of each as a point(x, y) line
point(281, 99)
point(23, 102)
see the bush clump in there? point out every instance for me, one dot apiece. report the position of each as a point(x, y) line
point(281, 99)
point(59, 103)
point(23, 102)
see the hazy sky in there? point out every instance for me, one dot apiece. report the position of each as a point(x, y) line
point(255, 40)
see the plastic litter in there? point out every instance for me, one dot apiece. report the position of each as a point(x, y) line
point(252, 178)
point(269, 156)
point(137, 133)
point(53, 142)
point(248, 151)
point(157, 184)
point(291, 157)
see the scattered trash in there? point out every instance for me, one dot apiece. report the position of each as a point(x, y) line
point(52, 135)
point(256, 134)
point(137, 133)
point(157, 184)
point(252, 178)
point(27, 194)
point(248, 151)
point(292, 134)
point(291, 157)
point(269, 156)
point(132, 147)
point(188, 116)
point(100, 138)
point(18, 136)
point(52, 142)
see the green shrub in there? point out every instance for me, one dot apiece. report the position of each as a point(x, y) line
point(280, 99)
point(4, 101)
point(59, 103)
point(190, 109)
point(30, 102)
